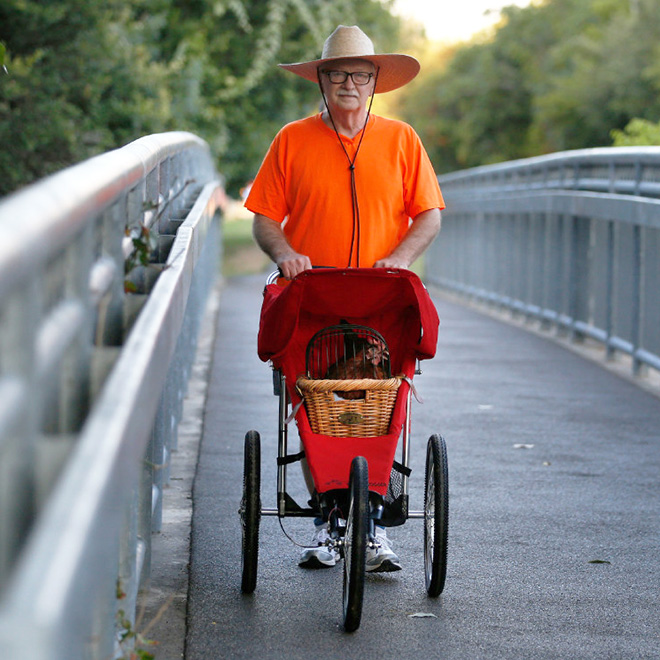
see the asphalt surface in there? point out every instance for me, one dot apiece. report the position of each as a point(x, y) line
point(554, 539)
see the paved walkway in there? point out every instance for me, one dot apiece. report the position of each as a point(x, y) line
point(554, 512)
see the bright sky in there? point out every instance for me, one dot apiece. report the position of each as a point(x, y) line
point(453, 21)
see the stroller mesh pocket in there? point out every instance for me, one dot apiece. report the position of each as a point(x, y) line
point(396, 501)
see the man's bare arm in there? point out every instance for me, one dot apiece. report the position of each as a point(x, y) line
point(420, 235)
point(270, 238)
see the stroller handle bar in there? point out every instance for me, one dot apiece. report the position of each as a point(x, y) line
point(277, 274)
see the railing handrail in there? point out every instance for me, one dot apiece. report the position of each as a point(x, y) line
point(570, 239)
point(58, 206)
point(593, 156)
point(619, 170)
point(111, 352)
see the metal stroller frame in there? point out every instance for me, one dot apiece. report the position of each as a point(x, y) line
point(353, 532)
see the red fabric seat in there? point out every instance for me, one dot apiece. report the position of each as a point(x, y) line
point(392, 302)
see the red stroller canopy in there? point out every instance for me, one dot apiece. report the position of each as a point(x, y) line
point(393, 302)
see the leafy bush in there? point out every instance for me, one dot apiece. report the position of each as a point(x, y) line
point(86, 76)
point(638, 133)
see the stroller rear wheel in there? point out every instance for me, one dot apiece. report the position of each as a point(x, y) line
point(436, 513)
point(355, 543)
point(250, 511)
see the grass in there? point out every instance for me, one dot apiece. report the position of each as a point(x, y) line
point(237, 234)
point(241, 256)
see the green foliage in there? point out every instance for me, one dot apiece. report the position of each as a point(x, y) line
point(79, 77)
point(556, 75)
point(81, 82)
point(87, 76)
point(638, 133)
point(129, 637)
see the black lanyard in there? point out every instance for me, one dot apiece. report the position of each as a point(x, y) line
point(355, 236)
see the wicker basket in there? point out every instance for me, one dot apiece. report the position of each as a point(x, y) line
point(366, 417)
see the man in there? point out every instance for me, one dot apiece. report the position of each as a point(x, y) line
point(340, 189)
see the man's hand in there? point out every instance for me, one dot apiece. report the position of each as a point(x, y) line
point(419, 236)
point(294, 264)
point(270, 238)
point(388, 262)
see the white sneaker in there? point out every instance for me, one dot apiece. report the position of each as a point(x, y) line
point(380, 557)
point(322, 554)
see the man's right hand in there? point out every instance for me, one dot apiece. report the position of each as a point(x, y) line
point(270, 238)
point(293, 264)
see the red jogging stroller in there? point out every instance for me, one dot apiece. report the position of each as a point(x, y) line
point(344, 345)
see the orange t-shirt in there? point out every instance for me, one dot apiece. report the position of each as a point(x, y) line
point(305, 183)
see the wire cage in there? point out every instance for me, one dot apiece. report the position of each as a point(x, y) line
point(348, 389)
point(348, 351)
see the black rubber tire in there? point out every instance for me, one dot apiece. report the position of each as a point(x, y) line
point(436, 515)
point(355, 543)
point(250, 511)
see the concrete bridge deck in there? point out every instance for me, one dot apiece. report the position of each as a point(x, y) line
point(554, 512)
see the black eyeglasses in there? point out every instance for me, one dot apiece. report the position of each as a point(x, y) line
point(339, 77)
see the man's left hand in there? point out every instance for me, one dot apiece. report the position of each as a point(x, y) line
point(419, 236)
point(391, 263)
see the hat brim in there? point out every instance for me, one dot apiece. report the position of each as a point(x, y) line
point(394, 70)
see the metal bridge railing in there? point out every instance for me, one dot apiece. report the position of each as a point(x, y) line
point(571, 239)
point(104, 271)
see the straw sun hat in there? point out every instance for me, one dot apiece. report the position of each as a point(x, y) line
point(394, 70)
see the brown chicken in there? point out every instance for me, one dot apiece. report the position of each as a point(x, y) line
point(363, 362)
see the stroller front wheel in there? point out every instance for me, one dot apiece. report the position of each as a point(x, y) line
point(355, 543)
point(250, 511)
point(436, 513)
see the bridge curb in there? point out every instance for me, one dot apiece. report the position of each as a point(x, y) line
point(162, 608)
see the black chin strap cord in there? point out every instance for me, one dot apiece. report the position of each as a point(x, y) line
point(355, 236)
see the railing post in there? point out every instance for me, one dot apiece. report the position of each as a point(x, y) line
point(611, 274)
point(76, 368)
point(637, 306)
point(18, 441)
point(578, 277)
point(110, 323)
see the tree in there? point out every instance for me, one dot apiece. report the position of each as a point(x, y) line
point(638, 133)
point(245, 96)
point(90, 75)
point(557, 75)
point(594, 84)
point(81, 81)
